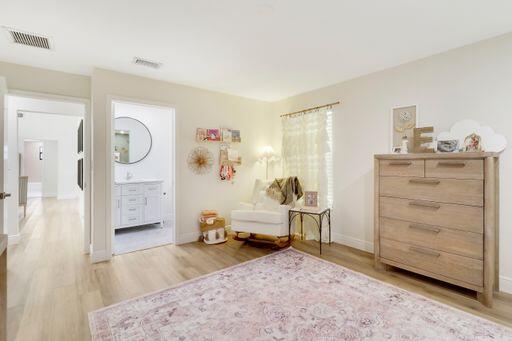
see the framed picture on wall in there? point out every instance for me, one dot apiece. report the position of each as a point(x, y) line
point(226, 135)
point(403, 121)
point(201, 134)
point(213, 134)
point(235, 136)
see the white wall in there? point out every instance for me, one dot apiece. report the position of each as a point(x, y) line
point(158, 163)
point(470, 82)
point(53, 179)
point(32, 165)
point(62, 130)
point(42, 174)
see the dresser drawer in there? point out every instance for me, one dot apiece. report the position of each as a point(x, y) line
point(402, 168)
point(467, 192)
point(461, 217)
point(134, 189)
point(455, 169)
point(133, 200)
point(131, 220)
point(457, 267)
point(132, 210)
point(152, 190)
point(463, 243)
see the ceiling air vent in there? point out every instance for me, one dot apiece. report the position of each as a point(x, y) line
point(146, 62)
point(29, 39)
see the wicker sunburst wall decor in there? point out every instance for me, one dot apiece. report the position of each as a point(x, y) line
point(200, 160)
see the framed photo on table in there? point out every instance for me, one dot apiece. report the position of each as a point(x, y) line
point(311, 199)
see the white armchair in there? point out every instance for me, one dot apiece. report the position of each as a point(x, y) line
point(263, 215)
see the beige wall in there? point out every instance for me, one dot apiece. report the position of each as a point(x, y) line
point(194, 108)
point(27, 78)
point(470, 82)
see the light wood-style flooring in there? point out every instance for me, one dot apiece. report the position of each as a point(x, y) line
point(52, 285)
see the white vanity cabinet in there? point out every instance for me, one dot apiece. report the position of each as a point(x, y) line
point(137, 203)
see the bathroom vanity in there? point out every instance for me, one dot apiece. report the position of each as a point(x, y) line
point(137, 202)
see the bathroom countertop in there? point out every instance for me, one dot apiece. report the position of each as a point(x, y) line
point(137, 181)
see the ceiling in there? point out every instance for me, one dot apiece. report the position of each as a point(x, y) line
point(263, 49)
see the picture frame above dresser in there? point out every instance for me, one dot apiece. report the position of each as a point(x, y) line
point(437, 215)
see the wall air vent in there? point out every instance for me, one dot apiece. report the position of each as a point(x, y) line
point(28, 39)
point(146, 62)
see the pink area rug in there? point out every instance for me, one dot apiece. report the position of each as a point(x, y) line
point(288, 295)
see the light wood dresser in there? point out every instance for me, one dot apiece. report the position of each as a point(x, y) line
point(437, 215)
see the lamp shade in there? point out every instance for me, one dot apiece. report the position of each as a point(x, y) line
point(267, 152)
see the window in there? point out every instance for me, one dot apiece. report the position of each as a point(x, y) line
point(329, 159)
point(307, 151)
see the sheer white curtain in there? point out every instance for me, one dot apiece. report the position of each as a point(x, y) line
point(307, 143)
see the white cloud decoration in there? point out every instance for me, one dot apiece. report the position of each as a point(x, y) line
point(490, 140)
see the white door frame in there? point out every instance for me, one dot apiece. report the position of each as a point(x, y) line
point(87, 152)
point(110, 117)
point(3, 106)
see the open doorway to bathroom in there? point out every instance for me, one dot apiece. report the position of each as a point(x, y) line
point(143, 157)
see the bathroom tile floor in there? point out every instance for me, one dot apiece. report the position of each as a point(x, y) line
point(142, 237)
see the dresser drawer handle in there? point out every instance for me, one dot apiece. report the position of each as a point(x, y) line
point(132, 219)
point(132, 209)
point(400, 163)
point(424, 251)
point(425, 228)
point(452, 164)
point(425, 181)
point(425, 204)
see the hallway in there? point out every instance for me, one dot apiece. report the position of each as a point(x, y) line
point(42, 273)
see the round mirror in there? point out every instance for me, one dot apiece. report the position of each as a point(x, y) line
point(132, 140)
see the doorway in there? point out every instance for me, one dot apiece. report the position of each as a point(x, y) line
point(143, 184)
point(42, 163)
point(31, 165)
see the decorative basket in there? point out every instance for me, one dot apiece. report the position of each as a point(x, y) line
point(214, 233)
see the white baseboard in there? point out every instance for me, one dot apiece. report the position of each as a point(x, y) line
point(506, 284)
point(49, 195)
point(67, 196)
point(100, 256)
point(352, 242)
point(187, 238)
point(13, 239)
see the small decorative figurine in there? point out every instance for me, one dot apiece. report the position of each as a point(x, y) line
point(447, 146)
point(405, 145)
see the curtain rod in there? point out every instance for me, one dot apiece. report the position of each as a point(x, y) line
point(310, 109)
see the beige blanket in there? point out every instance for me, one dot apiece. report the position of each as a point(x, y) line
point(283, 189)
